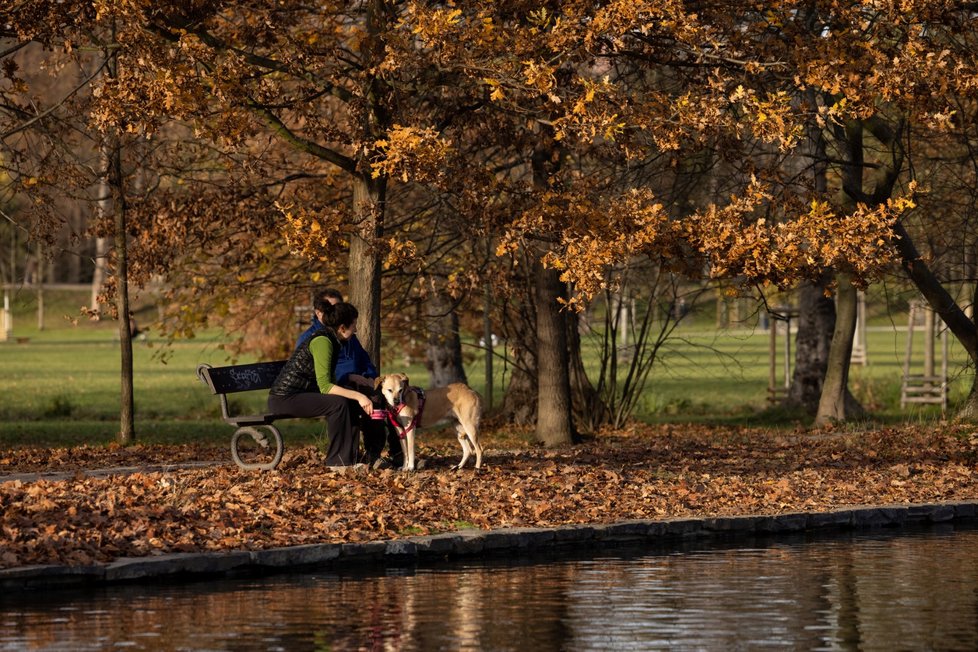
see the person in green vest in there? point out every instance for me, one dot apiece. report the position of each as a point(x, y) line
point(307, 385)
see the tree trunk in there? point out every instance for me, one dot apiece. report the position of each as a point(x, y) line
point(816, 312)
point(968, 410)
point(365, 269)
point(444, 358)
point(519, 403)
point(832, 405)
point(587, 408)
point(520, 400)
point(816, 322)
point(369, 193)
point(553, 377)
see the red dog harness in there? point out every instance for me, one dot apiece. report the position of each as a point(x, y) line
point(393, 411)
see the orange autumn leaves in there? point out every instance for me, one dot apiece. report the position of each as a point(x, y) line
point(596, 233)
point(643, 472)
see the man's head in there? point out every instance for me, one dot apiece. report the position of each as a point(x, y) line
point(324, 298)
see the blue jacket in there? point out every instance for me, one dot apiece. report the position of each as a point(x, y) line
point(353, 359)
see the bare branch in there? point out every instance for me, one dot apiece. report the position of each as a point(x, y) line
point(57, 104)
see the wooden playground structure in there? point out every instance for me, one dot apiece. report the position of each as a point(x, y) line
point(926, 386)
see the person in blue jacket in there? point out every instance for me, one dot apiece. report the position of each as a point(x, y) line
point(355, 370)
point(353, 359)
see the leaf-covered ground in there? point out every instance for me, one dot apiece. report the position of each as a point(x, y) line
point(645, 472)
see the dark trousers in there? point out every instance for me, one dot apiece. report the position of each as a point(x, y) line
point(375, 432)
point(341, 414)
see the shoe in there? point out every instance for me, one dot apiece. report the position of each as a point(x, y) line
point(386, 463)
point(359, 466)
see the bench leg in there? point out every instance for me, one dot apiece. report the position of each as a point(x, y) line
point(251, 449)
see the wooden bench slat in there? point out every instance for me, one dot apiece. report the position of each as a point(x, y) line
point(242, 378)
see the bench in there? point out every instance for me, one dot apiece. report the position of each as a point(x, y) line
point(247, 378)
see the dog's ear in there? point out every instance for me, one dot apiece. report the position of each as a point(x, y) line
point(378, 381)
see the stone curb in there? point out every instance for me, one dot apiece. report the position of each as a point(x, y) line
point(480, 543)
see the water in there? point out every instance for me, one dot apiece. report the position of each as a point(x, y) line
point(885, 591)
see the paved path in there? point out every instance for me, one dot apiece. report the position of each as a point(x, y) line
point(104, 472)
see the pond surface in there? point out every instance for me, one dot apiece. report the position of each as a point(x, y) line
point(880, 591)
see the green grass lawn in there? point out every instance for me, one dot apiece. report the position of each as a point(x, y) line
point(727, 375)
point(60, 385)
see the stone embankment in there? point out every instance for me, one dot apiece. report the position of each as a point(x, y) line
point(486, 543)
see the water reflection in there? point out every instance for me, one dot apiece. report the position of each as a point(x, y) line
point(884, 591)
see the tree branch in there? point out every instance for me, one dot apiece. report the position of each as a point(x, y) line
point(341, 161)
point(60, 102)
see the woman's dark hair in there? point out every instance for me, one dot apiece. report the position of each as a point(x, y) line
point(340, 314)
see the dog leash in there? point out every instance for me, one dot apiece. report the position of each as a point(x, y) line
point(392, 412)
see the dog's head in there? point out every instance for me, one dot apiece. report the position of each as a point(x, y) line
point(393, 386)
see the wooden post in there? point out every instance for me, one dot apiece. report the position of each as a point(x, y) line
point(911, 322)
point(929, 343)
point(775, 390)
point(39, 279)
point(622, 322)
point(944, 358)
point(772, 350)
point(859, 355)
point(787, 351)
point(487, 336)
point(6, 319)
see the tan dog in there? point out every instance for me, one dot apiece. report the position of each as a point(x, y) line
point(457, 401)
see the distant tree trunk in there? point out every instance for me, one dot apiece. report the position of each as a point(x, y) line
point(41, 266)
point(553, 378)
point(69, 267)
point(587, 408)
point(816, 321)
point(365, 269)
point(101, 252)
point(444, 358)
point(519, 403)
point(832, 405)
point(520, 400)
point(105, 206)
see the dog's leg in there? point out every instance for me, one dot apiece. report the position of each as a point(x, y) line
point(464, 441)
point(409, 449)
point(467, 429)
point(474, 437)
point(471, 433)
point(404, 452)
